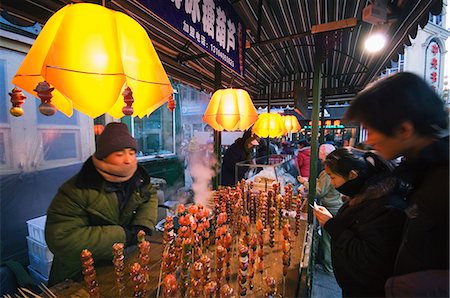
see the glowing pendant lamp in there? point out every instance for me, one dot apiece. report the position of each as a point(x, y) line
point(291, 123)
point(91, 55)
point(230, 109)
point(269, 125)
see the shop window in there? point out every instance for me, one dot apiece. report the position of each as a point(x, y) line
point(57, 119)
point(58, 145)
point(33, 141)
point(193, 105)
point(3, 159)
point(3, 92)
point(437, 20)
point(155, 133)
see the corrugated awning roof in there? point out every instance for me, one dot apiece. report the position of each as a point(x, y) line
point(282, 47)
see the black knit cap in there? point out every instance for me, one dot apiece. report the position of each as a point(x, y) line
point(115, 137)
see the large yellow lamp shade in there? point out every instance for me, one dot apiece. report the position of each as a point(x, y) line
point(90, 55)
point(269, 125)
point(291, 123)
point(230, 109)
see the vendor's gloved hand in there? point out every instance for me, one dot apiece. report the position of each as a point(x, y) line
point(130, 237)
point(131, 234)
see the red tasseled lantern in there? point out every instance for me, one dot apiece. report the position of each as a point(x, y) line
point(128, 99)
point(171, 104)
point(44, 92)
point(17, 100)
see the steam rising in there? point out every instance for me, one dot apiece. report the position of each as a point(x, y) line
point(203, 167)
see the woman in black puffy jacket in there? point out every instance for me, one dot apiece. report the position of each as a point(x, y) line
point(366, 231)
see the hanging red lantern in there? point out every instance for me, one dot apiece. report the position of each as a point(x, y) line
point(128, 99)
point(98, 129)
point(44, 92)
point(17, 100)
point(171, 104)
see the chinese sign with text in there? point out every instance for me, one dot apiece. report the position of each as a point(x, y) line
point(211, 24)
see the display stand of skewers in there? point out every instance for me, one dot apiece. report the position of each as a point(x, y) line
point(243, 247)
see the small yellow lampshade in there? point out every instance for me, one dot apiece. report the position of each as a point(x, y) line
point(269, 125)
point(230, 109)
point(291, 123)
point(90, 54)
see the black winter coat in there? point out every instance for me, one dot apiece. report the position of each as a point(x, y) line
point(425, 242)
point(365, 236)
point(234, 154)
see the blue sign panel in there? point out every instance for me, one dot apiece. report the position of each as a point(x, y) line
point(211, 24)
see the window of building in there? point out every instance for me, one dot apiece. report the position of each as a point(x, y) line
point(33, 141)
point(437, 20)
point(155, 133)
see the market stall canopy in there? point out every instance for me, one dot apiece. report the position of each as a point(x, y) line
point(94, 57)
point(281, 44)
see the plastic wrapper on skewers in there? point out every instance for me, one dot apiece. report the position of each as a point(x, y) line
point(210, 289)
point(197, 279)
point(185, 264)
point(272, 219)
point(271, 287)
point(89, 273)
point(226, 291)
point(252, 260)
point(119, 267)
point(139, 280)
point(243, 270)
point(220, 258)
point(170, 285)
point(261, 230)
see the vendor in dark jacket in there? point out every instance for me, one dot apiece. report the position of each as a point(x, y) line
point(240, 150)
point(366, 231)
point(108, 201)
point(405, 118)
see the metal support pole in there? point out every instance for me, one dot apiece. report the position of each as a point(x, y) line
point(217, 134)
point(322, 120)
point(317, 85)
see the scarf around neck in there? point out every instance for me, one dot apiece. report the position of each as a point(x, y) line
point(114, 173)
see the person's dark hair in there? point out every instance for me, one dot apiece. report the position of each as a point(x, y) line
point(247, 134)
point(342, 161)
point(404, 96)
point(345, 159)
point(304, 143)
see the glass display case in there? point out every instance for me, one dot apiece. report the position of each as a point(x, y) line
point(266, 170)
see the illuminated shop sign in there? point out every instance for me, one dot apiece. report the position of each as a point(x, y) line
point(328, 124)
point(211, 24)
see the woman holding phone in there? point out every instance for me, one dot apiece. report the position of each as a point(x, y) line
point(366, 231)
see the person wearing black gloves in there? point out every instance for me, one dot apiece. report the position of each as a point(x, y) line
point(366, 231)
point(108, 201)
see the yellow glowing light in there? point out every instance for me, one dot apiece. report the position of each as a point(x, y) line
point(90, 54)
point(291, 123)
point(269, 125)
point(230, 109)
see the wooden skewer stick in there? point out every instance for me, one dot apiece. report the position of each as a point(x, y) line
point(160, 273)
point(29, 292)
point(46, 290)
